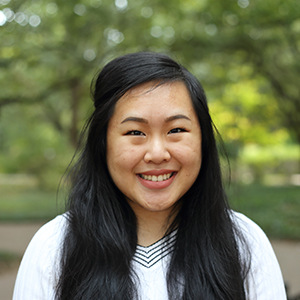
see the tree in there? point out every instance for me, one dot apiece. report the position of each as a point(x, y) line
point(55, 49)
point(263, 35)
point(50, 51)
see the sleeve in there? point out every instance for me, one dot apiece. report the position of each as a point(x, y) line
point(265, 280)
point(38, 271)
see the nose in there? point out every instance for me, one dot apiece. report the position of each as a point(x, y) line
point(157, 151)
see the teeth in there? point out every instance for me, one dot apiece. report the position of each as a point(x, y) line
point(156, 178)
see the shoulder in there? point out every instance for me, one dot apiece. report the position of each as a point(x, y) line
point(47, 242)
point(251, 231)
point(254, 236)
point(53, 230)
point(256, 240)
point(48, 239)
point(264, 279)
point(39, 267)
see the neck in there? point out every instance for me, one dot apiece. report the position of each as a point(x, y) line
point(152, 225)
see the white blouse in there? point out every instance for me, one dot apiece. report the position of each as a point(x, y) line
point(39, 269)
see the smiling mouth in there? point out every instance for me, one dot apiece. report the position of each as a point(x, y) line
point(158, 178)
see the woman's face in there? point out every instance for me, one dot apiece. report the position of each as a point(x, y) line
point(154, 145)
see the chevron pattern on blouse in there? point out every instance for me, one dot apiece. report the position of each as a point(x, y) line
point(150, 255)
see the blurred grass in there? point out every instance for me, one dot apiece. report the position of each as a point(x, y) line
point(18, 204)
point(275, 208)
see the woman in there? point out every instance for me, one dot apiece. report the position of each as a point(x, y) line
point(148, 217)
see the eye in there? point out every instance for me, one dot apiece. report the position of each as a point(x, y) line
point(177, 130)
point(135, 132)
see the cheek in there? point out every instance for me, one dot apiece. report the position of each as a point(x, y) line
point(190, 159)
point(189, 153)
point(122, 158)
point(193, 166)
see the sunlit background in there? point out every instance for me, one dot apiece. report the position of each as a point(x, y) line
point(245, 53)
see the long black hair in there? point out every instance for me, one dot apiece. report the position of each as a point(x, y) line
point(101, 235)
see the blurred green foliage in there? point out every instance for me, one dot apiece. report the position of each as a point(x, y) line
point(246, 54)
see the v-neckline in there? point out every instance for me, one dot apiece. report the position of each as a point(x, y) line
point(148, 256)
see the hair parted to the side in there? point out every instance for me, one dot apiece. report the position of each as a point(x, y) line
point(101, 236)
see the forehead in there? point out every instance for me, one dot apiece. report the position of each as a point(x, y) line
point(154, 96)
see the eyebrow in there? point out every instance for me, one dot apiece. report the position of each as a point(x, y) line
point(135, 119)
point(142, 120)
point(176, 117)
